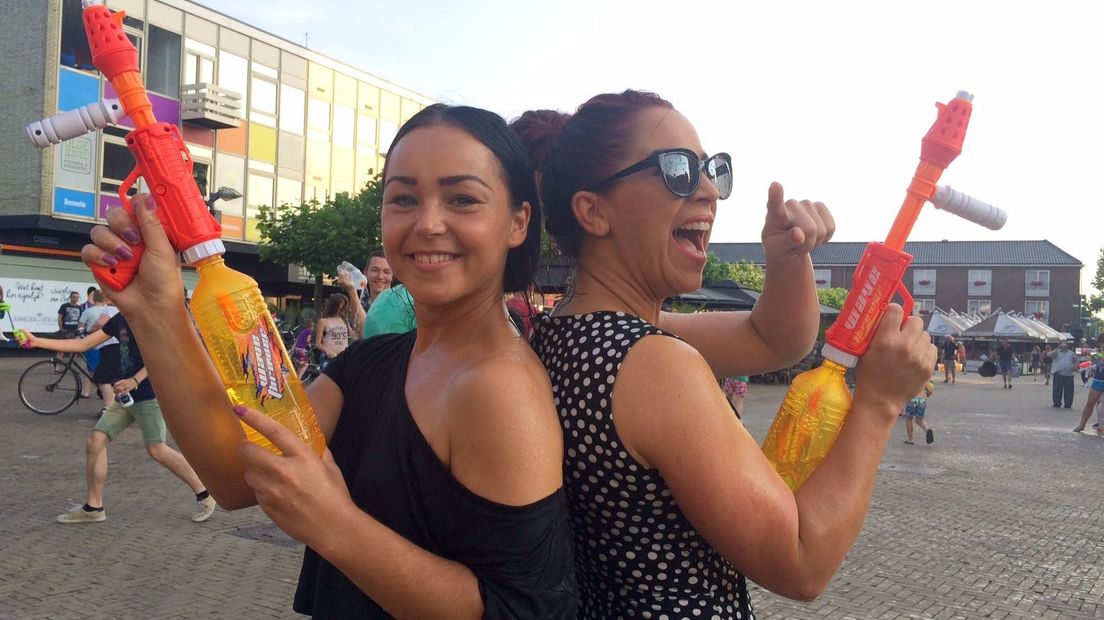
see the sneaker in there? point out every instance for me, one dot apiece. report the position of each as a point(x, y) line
point(79, 515)
point(205, 509)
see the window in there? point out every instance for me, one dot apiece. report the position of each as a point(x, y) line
point(75, 52)
point(199, 62)
point(343, 125)
point(233, 73)
point(923, 307)
point(200, 171)
point(259, 195)
point(292, 109)
point(163, 63)
point(983, 307)
point(230, 172)
point(822, 278)
point(979, 282)
point(923, 282)
point(366, 133)
point(318, 118)
point(1038, 309)
point(388, 129)
point(262, 101)
point(288, 192)
point(117, 164)
point(1037, 283)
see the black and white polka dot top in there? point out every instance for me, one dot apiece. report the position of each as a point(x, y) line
point(636, 554)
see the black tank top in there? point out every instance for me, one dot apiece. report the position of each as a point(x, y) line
point(636, 554)
point(521, 555)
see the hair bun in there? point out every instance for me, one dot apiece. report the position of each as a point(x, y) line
point(538, 129)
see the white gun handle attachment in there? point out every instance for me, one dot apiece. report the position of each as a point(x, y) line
point(953, 201)
point(73, 123)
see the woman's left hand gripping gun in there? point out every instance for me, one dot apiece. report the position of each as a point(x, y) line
point(162, 158)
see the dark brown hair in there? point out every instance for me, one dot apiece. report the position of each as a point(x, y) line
point(580, 152)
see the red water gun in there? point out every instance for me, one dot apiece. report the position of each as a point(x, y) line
point(881, 270)
point(162, 158)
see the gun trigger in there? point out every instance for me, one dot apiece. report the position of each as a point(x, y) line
point(125, 187)
point(906, 298)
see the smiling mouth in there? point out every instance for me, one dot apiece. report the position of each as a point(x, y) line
point(692, 236)
point(430, 259)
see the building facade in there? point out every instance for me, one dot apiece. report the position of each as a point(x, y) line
point(272, 120)
point(1036, 278)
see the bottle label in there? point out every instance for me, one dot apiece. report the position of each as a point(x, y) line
point(262, 362)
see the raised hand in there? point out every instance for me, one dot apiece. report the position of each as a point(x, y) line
point(794, 227)
point(302, 493)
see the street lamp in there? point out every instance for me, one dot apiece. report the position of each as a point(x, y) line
point(223, 193)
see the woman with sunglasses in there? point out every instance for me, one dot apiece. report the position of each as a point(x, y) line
point(672, 500)
point(440, 494)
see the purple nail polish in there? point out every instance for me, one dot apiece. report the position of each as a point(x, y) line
point(110, 260)
point(124, 252)
point(131, 236)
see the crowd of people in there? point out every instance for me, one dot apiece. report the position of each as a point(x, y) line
point(488, 460)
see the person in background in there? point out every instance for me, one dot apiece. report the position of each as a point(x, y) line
point(68, 316)
point(1063, 365)
point(1006, 358)
point(915, 409)
point(379, 275)
point(1046, 359)
point(1096, 388)
point(300, 351)
point(1036, 362)
point(88, 302)
point(950, 357)
point(736, 389)
point(331, 332)
point(130, 379)
point(107, 352)
point(391, 313)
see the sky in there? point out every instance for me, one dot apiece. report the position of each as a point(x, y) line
point(829, 98)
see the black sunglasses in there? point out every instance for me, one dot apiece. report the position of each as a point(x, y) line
point(681, 171)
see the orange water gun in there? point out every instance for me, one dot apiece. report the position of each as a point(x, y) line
point(237, 327)
point(814, 409)
point(162, 158)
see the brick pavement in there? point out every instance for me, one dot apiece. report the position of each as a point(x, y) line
point(1000, 518)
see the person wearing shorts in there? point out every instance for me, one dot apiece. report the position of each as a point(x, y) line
point(1004, 354)
point(1096, 388)
point(736, 389)
point(914, 414)
point(135, 401)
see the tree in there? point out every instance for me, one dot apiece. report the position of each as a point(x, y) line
point(744, 272)
point(832, 297)
point(320, 236)
point(1096, 303)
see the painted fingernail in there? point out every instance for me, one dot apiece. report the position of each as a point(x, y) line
point(131, 236)
point(109, 260)
point(239, 410)
point(151, 204)
point(124, 252)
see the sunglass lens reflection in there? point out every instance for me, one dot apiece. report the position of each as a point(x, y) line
point(720, 171)
point(678, 173)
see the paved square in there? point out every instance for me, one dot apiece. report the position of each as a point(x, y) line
point(1002, 517)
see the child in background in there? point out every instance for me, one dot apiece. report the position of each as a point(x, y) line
point(915, 409)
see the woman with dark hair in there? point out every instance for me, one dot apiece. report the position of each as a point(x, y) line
point(672, 500)
point(331, 333)
point(440, 495)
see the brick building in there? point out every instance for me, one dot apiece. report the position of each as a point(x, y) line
point(1036, 278)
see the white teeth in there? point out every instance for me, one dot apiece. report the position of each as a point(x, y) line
point(696, 226)
point(433, 258)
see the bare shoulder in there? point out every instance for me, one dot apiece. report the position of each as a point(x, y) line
point(666, 399)
point(504, 433)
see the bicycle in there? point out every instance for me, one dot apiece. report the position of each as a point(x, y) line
point(51, 386)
